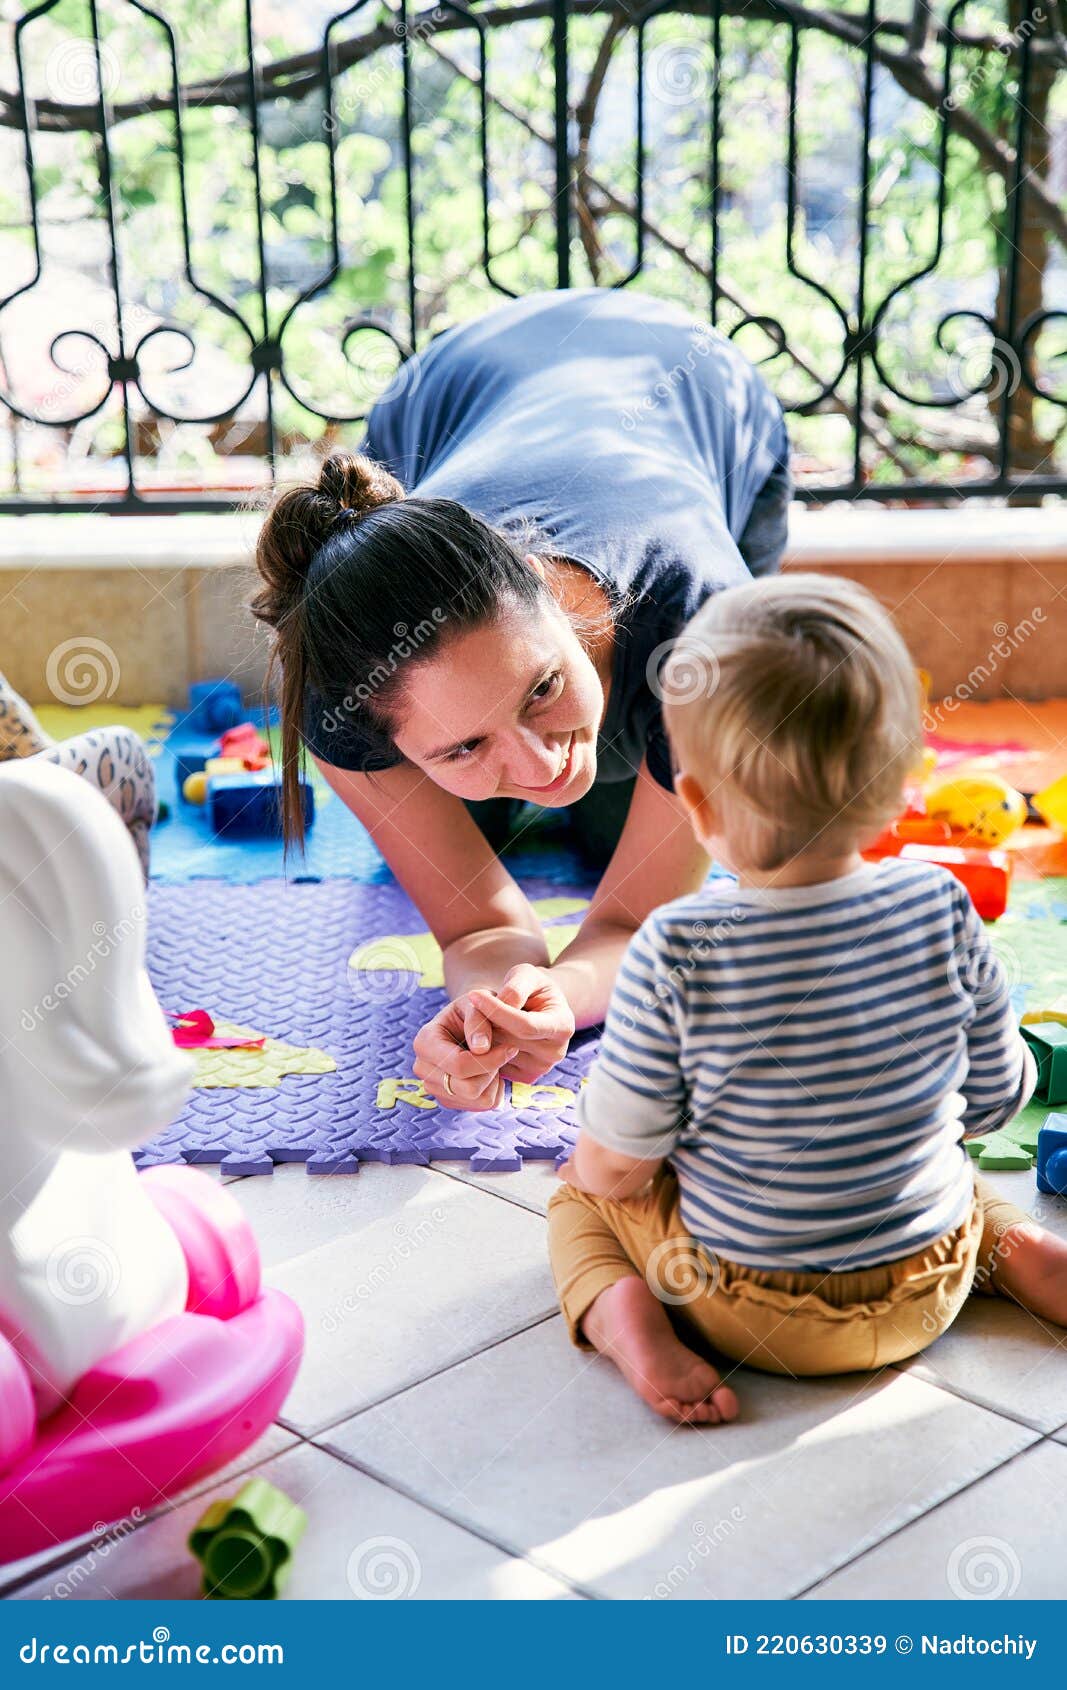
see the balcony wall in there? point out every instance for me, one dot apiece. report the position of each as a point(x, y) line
point(166, 595)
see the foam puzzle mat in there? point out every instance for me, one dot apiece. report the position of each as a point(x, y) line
point(325, 955)
point(346, 973)
point(277, 957)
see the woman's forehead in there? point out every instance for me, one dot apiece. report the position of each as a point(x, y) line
point(475, 680)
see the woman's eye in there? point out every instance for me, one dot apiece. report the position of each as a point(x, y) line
point(462, 752)
point(546, 688)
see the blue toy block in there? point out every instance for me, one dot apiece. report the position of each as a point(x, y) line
point(250, 803)
point(1052, 1157)
point(214, 706)
point(191, 752)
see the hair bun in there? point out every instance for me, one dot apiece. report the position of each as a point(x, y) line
point(356, 483)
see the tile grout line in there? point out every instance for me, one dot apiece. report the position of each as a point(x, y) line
point(907, 1525)
point(466, 1179)
point(483, 1534)
point(424, 1379)
point(961, 1395)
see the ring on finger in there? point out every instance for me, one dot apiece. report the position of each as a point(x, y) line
point(448, 1085)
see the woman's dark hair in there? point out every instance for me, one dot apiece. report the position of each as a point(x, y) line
point(356, 582)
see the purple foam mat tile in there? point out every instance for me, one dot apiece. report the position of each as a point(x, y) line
point(274, 956)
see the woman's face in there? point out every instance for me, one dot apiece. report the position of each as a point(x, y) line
point(507, 710)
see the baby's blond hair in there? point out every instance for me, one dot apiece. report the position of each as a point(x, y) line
point(794, 703)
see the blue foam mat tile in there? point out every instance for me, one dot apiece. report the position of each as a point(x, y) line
point(184, 846)
point(274, 956)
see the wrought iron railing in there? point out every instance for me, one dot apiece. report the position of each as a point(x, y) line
point(217, 244)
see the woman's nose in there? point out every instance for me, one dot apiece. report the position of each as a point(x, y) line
point(529, 761)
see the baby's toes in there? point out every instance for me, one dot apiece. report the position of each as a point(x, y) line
point(725, 1402)
point(705, 1413)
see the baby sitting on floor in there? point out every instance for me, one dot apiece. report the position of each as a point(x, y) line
point(771, 1159)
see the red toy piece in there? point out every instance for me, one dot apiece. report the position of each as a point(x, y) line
point(912, 828)
point(193, 1029)
point(986, 874)
point(246, 742)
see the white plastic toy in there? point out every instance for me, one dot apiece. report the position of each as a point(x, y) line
point(136, 1349)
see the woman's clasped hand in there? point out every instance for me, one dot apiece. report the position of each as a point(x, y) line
point(482, 1038)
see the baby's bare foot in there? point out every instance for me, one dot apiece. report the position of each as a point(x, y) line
point(628, 1324)
point(1031, 1267)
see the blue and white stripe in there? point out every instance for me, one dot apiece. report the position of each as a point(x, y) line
point(810, 1058)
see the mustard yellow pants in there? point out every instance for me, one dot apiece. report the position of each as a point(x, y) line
point(780, 1322)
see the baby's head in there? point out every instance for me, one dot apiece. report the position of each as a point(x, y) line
point(793, 709)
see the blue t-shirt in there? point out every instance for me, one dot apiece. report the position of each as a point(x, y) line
point(633, 437)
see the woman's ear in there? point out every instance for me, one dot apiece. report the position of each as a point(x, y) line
point(535, 564)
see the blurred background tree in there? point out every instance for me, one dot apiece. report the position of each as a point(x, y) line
point(846, 188)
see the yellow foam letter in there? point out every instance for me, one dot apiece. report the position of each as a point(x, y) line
point(539, 1097)
point(391, 1092)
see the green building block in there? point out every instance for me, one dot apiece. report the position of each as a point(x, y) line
point(1048, 1041)
point(245, 1543)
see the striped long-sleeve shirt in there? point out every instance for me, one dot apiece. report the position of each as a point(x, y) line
point(810, 1059)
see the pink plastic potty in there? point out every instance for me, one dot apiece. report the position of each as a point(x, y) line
point(175, 1403)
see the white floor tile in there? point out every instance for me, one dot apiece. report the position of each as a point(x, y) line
point(401, 1272)
point(362, 1539)
point(293, 1211)
point(1002, 1538)
point(547, 1450)
point(531, 1186)
point(997, 1355)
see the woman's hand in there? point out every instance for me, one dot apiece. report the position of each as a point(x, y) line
point(530, 1013)
point(459, 1060)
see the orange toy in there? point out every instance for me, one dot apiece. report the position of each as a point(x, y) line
point(986, 874)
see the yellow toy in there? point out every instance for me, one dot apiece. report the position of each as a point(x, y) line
point(983, 807)
point(1051, 804)
point(1057, 1012)
point(194, 790)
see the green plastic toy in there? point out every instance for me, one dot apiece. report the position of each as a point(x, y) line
point(1012, 1146)
point(245, 1543)
point(1048, 1041)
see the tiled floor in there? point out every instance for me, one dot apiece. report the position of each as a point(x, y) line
point(446, 1441)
